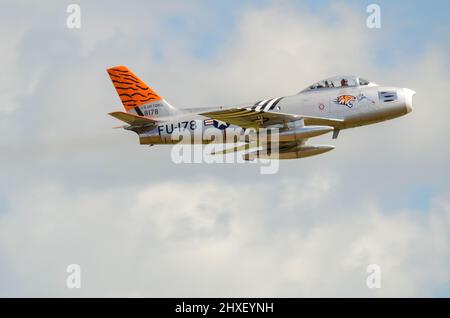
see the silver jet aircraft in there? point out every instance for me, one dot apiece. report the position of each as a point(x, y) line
point(327, 106)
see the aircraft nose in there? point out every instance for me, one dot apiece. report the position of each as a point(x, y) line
point(409, 93)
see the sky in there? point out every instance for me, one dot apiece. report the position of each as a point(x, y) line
point(75, 191)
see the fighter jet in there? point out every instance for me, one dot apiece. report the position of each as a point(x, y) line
point(327, 106)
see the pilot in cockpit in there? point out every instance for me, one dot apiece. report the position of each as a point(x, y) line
point(344, 82)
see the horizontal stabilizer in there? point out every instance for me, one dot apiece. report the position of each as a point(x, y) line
point(133, 120)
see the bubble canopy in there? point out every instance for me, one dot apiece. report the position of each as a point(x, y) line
point(339, 81)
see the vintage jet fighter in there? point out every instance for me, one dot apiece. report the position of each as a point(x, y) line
point(327, 106)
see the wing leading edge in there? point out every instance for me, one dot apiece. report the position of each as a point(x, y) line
point(252, 118)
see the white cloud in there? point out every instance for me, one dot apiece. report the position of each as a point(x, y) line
point(211, 238)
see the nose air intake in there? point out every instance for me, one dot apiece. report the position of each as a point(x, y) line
point(409, 93)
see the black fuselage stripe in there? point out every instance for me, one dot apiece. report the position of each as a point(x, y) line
point(265, 104)
point(275, 103)
point(138, 111)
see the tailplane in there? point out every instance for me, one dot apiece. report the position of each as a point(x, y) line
point(137, 98)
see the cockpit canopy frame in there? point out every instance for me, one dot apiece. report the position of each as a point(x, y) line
point(339, 82)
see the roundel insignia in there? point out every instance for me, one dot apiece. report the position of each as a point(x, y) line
point(220, 124)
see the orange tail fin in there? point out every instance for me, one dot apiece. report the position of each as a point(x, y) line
point(132, 91)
